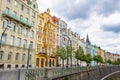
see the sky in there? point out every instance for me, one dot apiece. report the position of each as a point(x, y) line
point(100, 19)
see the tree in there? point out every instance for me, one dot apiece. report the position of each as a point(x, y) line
point(118, 60)
point(88, 59)
point(79, 54)
point(98, 59)
point(109, 61)
point(62, 53)
point(69, 51)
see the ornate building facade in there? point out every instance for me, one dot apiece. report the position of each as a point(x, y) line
point(62, 37)
point(90, 49)
point(18, 19)
point(46, 40)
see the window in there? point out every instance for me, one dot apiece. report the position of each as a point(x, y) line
point(33, 23)
point(23, 57)
point(20, 29)
point(33, 5)
point(8, 0)
point(38, 48)
point(13, 26)
point(25, 32)
point(15, 13)
point(18, 42)
point(4, 38)
point(16, 56)
point(49, 50)
point(27, 11)
point(7, 10)
point(11, 40)
point(32, 33)
point(1, 55)
point(33, 15)
point(5, 23)
point(31, 43)
point(21, 17)
point(9, 55)
point(15, 3)
point(26, 19)
point(22, 7)
point(42, 49)
point(24, 43)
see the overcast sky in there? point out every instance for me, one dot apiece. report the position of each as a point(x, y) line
point(100, 19)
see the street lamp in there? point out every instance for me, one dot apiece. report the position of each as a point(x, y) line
point(2, 35)
point(1, 39)
point(71, 47)
point(30, 45)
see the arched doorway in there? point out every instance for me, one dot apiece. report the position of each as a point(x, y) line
point(42, 62)
point(37, 62)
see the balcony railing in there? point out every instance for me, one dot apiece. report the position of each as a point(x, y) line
point(17, 18)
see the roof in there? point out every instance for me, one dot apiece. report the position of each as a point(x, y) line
point(55, 19)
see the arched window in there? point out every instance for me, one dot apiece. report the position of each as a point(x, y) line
point(9, 55)
point(5, 23)
point(23, 57)
point(20, 29)
point(4, 38)
point(32, 34)
point(1, 55)
point(13, 25)
point(17, 56)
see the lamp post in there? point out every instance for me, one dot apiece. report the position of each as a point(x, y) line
point(28, 55)
point(71, 48)
point(2, 36)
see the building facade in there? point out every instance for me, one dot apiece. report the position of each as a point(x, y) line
point(90, 49)
point(102, 53)
point(83, 45)
point(46, 41)
point(18, 19)
point(61, 37)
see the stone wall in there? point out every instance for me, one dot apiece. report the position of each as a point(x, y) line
point(75, 73)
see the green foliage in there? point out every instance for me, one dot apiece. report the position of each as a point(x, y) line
point(98, 59)
point(62, 53)
point(69, 51)
point(88, 58)
point(67, 78)
point(109, 61)
point(79, 54)
point(117, 62)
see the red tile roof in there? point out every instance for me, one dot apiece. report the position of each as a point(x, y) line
point(55, 19)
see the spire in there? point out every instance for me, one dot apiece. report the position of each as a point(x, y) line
point(87, 40)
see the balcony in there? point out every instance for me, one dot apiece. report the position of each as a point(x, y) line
point(10, 15)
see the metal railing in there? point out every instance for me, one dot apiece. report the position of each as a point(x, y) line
point(17, 18)
point(93, 73)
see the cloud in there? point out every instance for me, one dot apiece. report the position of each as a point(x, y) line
point(98, 18)
point(106, 37)
point(111, 22)
point(113, 28)
point(72, 9)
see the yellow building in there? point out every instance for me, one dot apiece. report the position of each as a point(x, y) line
point(46, 40)
point(101, 52)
